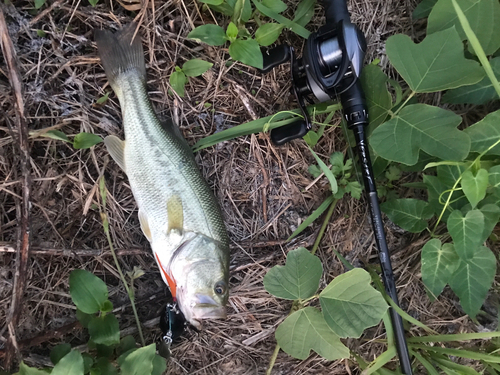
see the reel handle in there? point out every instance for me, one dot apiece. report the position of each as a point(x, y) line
point(335, 11)
point(284, 134)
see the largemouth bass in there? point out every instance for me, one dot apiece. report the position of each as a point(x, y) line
point(178, 212)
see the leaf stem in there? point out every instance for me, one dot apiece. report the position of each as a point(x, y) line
point(412, 94)
point(105, 224)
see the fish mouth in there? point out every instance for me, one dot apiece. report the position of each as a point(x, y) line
point(205, 307)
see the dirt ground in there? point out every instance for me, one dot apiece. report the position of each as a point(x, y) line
point(264, 191)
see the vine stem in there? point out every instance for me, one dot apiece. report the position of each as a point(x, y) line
point(105, 224)
point(296, 305)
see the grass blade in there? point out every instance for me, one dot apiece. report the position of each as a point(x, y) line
point(471, 36)
point(327, 171)
point(317, 213)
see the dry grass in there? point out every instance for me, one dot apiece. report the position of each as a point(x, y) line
point(265, 192)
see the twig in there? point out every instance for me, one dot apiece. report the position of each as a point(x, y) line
point(73, 253)
point(23, 241)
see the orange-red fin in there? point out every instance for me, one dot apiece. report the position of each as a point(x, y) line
point(170, 280)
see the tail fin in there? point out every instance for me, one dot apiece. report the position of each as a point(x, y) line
point(120, 53)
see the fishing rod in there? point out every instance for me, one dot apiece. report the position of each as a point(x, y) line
point(330, 68)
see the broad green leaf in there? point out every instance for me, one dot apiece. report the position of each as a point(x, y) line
point(88, 361)
point(449, 174)
point(304, 12)
point(127, 343)
point(88, 292)
point(435, 64)
point(39, 3)
point(86, 140)
point(327, 171)
point(140, 361)
point(474, 187)
point(212, 2)
point(316, 213)
point(178, 80)
point(337, 162)
point(473, 278)
point(485, 133)
point(24, 369)
point(421, 127)
point(311, 139)
point(56, 134)
point(466, 232)
point(268, 33)
point(277, 6)
point(93, 2)
point(225, 8)
point(435, 187)
point(210, 34)
point(350, 304)
point(231, 31)
point(438, 265)
point(314, 170)
point(494, 178)
point(58, 352)
point(297, 279)
point(479, 93)
point(196, 67)
point(83, 318)
point(423, 9)
point(374, 82)
point(159, 365)
point(410, 214)
point(291, 25)
point(104, 367)
point(242, 11)
point(247, 51)
point(491, 214)
point(104, 330)
point(306, 330)
point(70, 364)
point(483, 17)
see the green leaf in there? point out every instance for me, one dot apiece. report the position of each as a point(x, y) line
point(104, 367)
point(491, 214)
point(473, 279)
point(159, 365)
point(314, 170)
point(485, 133)
point(474, 187)
point(291, 25)
point(39, 3)
point(483, 17)
point(127, 343)
point(178, 80)
point(212, 2)
point(104, 330)
point(247, 51)
point(306, 329)
point(311, 139)
point(494, 178)
point(86, 140)
point(107, 306)
point(297, 279)
point(466, 232)
point(103, 99)
point(88, 292)
point(374, 82)
point(41, 33)
point(409, 214)
point(423, 9)
point(70, 364)
point(88, 361)
point(58, 352)
point(56, 134)
point(139, 362)
point(304, 12)
point(196, 67)
point(350, 304)
point(210, 34)
point(479, 93)
point(93, 2)
point(268, 33)
point(24, 369)
point(327, 171)
point(83, 318)
point(421, 127)
point(438, 265)
point(435, 64)
point(277, 6)
point(337, 162)
point(354, 188)
point(316, 213)
point(232, 32)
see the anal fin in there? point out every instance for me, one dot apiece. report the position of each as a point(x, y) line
point(116, 148)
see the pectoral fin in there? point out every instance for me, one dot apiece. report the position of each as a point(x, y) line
point(144, 225)
point(175, 214)
point(116, 149)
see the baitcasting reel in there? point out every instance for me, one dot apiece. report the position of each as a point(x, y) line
point(329, 68)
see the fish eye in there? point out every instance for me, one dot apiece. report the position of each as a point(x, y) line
point(220, 287)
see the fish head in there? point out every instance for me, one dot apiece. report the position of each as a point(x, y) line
point(201, 277)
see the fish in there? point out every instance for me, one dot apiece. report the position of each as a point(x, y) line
point(178, 212)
